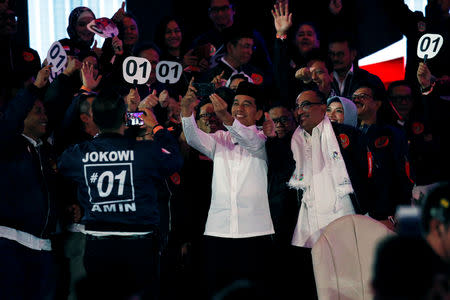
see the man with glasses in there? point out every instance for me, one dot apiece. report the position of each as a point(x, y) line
point(388, 175)
point(327, 166)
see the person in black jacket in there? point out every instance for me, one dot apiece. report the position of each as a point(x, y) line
point(116, 177)
point(27, 210)
point(389, 176)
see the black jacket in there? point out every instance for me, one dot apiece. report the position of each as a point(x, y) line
point(27, 174)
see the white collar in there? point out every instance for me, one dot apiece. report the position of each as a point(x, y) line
point(33, 142)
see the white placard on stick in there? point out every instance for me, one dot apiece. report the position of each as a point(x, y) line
point(429, 45)
point(57, 57)
point(168, 71)
point(136, 70)
point(104, 27)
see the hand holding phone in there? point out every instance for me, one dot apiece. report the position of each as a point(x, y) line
point(204, 89)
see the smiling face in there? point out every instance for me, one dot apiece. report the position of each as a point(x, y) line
point(335, 112)
point(245, 111)
point(310, 111)
point(172, 36)
point(366, 105)
point(306, 39)
point(35, 123)
point(130, 31)
point(81, 26)
point(320, 76)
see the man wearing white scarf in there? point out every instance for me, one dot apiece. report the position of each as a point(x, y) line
point(320, 171)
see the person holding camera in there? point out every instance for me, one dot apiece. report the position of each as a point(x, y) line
point(116, 177)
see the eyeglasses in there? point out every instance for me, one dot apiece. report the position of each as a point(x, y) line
point(282, 120)
point(209, 115)
point(217, 9)
point(306, 105)
point(361, 96)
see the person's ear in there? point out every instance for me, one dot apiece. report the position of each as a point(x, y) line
point(353, 54)
point(259, 114)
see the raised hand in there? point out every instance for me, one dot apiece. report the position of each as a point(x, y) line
point(220, 108)
point(189, 59)
point(424, 75)
point(304, 74)
point(87, 76)
point(219, 81)
point(73, 64)
point(42, 76)
point(282, 19)
point(189, 101)
point(268, 126)
point(163, 98)
point(132, 100)
point(149, 102)
point(117, 45)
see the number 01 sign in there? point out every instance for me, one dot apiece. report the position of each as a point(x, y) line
point(57, 57)
point(168, 71)
point(429, 45)
point(136, 70)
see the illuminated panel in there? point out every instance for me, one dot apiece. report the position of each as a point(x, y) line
point(389, 63)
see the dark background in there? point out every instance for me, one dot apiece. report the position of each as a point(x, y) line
point(374, 32)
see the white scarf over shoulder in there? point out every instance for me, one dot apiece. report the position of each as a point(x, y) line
point(321, 173)
point(331, 156)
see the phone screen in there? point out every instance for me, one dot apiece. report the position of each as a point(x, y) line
point(135, 118)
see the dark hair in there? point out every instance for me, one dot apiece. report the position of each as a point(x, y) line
point(160, 31)
point(378, 92)
point(319, 55)
point(341, 36)
point(234, 33)
point(145, 46)
point(322, 97)
point(202, 103)
point(436, 206)
point(397, 83)
point(108, 110)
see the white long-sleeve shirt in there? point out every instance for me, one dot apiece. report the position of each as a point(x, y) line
point(239, 204)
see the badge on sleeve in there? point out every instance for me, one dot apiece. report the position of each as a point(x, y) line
point(345, 141)
point(382, 141)
point(417, 128)
point(27, 56)
point(257, 78)
point(175, 177)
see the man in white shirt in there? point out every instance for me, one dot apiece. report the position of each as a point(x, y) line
point(238, 229)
